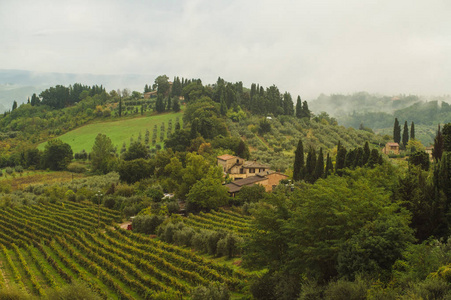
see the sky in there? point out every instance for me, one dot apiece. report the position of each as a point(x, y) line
point(303, 47)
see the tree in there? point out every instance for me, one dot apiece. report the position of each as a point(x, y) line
point(376, 247)
point(135, 170)
point(14, 105)
point(298, 166)
point(34, 100)
point(159, 105)
point(250, 194)
point(366, 153)
point(176, 104)
point(329, 166)
point(299, 111)
point(305, 111)
point(208, 193)
point(419, 158)
point(57, 155)
point(397, 132)
point(405, 135)
point(319, 169)
point(310, 165)
point(412, 131)
point(447, 137)
point(162, 85)
point(120, 107)
point(135, 151)
point(341, 158)
point(438, 145)
point(102, 154)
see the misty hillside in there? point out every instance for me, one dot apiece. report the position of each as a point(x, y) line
point(18, 85)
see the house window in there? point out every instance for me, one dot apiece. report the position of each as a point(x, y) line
point(251, 170)
point(241, 171)
point(237, 161)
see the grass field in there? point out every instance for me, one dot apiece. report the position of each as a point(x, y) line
point(118, 131)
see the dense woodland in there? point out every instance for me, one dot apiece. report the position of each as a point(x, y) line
point(350, 223)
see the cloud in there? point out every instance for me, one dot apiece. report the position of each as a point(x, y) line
point(304, 47)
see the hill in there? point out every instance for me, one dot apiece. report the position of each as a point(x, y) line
point(121, 131)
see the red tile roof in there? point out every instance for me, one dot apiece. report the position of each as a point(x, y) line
point(226, 157)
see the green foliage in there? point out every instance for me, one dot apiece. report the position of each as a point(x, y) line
point(135, 170)
point(57, 155)
point(136, 150)
point(75, 291)
point(397, 132)
point(264, 126)
point(102, 155)
point(147, 224)
point(250, 194)
point(347, 290)
point(207, 193)
point(419, 158)
point(298, 167)
point(212, 292)
point(376, 247)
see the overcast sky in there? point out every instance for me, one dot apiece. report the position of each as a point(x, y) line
point(304, 47)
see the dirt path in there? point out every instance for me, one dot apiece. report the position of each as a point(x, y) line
point(2, 274)
point(125, 224)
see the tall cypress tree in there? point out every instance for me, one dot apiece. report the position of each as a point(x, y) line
point(366, 153)
point(447, 137)
point(397, 132)
point(305, 110)
point(299, 107)
point(329, 166)
point(298, 166)
point(310, 165)
point(438, 145)
point(341, 157)
point(120, 107)
point(319, 169)
point(412, 131)
point(405, 135)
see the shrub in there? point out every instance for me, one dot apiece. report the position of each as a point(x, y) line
point(18, 169)
point(9, 170)
point(147, 224)
point(212, 292)
point(124, 190)
point(76, 167)
point(347, 290)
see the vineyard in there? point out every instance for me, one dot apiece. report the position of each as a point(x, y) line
point(45, 246)
point(228, 221)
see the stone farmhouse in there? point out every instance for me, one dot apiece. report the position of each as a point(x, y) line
point(247, 173)
point(391, 148)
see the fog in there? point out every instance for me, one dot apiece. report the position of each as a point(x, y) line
point(304, 47)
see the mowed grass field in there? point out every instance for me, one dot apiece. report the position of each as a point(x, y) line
point(118, 131)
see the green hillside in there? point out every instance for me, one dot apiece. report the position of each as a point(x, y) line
point(118, 131)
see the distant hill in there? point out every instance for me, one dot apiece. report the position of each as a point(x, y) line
point(18, 85)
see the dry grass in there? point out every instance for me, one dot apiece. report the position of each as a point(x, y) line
point(19, 182)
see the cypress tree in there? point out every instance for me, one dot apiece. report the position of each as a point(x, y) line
point(319, 169)
point(305, 110)
point(447, 137)
point(412, 131)
point(14, 105)
point(350, 158)
point(298, 108)
point(120, 107)
point(405, 135)
point(310, 166)
point(341, 157)
point(366, 153)
point(176, 105)
point(298, 166)
point(223, 107)
point(358, 162)
point(159, 105)
point(438, 145)
point(329, 166)
point(397, 132)
point(169, 105)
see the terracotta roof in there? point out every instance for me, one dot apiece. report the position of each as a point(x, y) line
point(430, 148)
point(254, 164)
point(232, 187)
point(392, 144)
point(248, 180)
point(226, 157)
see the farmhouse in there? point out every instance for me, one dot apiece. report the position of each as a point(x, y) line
point(391, 148)
point(247, 173)
point(238, 168)
point(269, 179)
